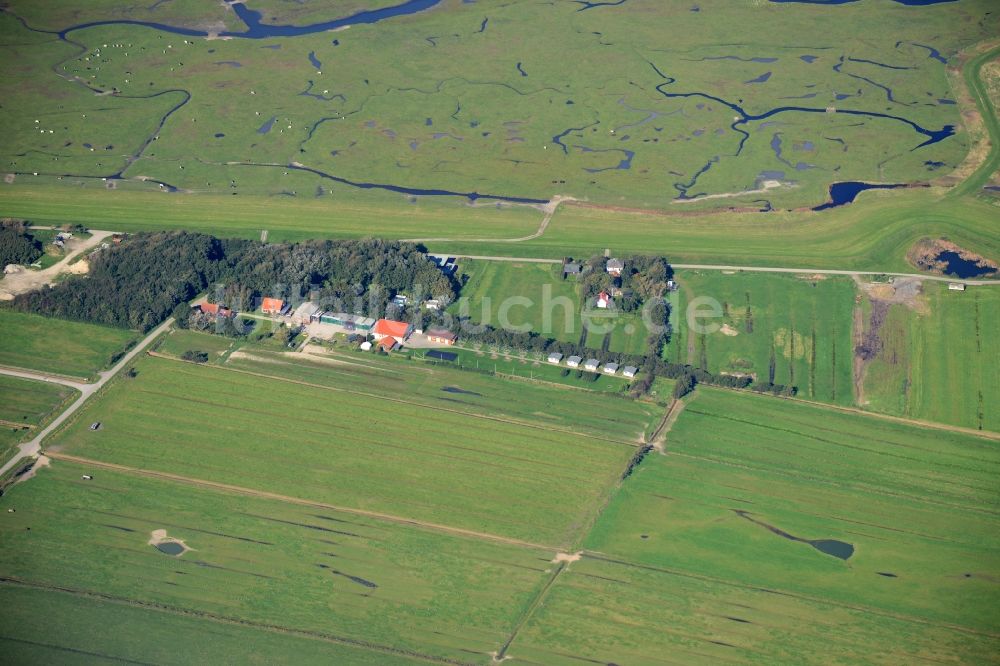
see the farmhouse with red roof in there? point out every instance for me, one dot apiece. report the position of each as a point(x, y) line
point(388, 328)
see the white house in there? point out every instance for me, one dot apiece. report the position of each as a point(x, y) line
point(604, 300)
point(573, 361)
point(630, 371)
point(554, 358)
point(615, 267)
point(610, 368)
point(592, 365)
point(956, 286)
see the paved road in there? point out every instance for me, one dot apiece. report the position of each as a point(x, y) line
point(757, 269)
point(31, 448)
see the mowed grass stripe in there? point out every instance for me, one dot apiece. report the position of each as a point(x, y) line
point(290, 567)
point(348, 450)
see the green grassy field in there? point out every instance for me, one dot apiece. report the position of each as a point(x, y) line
point(285, 576)
point(25, 404)
point(149, 635)
point(529, 295)
point(627, 120)
point(682, 561)
point(941, 364)
point(440, 384)
point(179, 341)
point(57, 345)
point(442, 463)
point(799, 326)
point(350, 216)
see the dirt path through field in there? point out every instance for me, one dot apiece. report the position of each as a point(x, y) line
point(659, 438)
point(549, 209)
point(857, 362)
point(263, 494)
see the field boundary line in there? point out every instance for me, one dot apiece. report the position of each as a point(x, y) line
point(604, 557)
point(264, 494)
point(222, 619)
point(501, 654)
point(917, 423)
point(400, 401)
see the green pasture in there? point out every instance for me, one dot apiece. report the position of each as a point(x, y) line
point(941, 363)
point(259, 570)
point(919, 507)
point(25, 405)
point(448, 104)
point(357, 450)
point(524, 392)
point(351, 216)
point(799, 326)
point(521, 296)
point(58, 346)
point(179, 341)
point(96, 630)
point(606, 610)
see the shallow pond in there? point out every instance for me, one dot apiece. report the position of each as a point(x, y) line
point(170, 548)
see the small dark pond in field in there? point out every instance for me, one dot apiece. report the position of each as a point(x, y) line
point(266, 127)
point(170, 548)
point(961, 267)
point(455, 389)
point(840, 549)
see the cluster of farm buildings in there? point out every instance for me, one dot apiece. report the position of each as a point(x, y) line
point(388, 334)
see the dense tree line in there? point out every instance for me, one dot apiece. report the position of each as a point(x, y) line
point(141, 282)
point(353, 276)
point(17, 244)
point(135, 285)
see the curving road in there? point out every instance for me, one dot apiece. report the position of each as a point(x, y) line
point(32, 447)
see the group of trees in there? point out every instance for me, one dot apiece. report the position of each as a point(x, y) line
point(135, 285)
point(17, 244)
point(643, 278)
point(353, 276)
point(142, 281)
